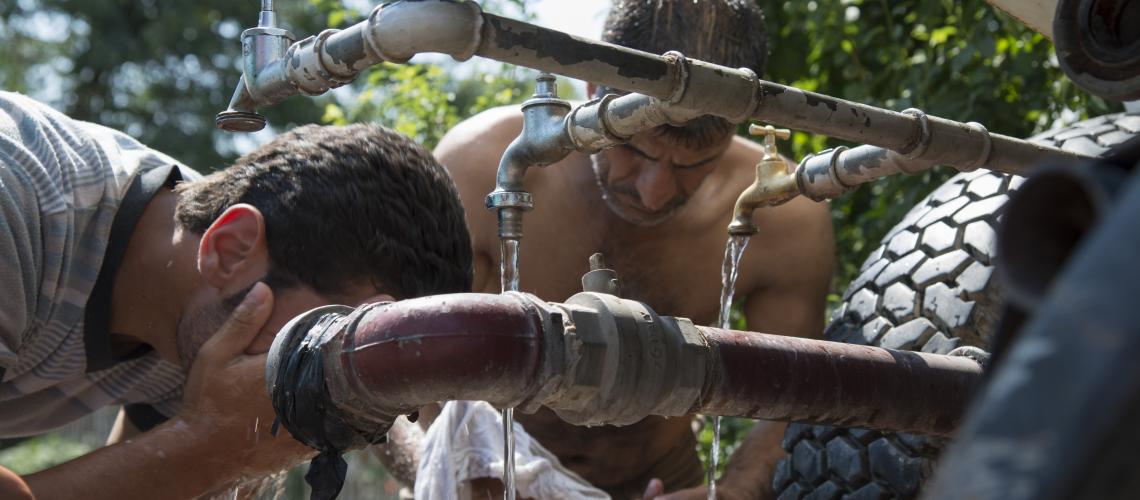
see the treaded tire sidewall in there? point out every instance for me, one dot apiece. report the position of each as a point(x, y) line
point(928, 287)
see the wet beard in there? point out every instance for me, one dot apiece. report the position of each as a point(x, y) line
point(196, 328)
point(634, 215)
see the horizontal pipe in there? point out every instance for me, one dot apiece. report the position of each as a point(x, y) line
point(397, 31)
point(803, 380)
point(598, 359)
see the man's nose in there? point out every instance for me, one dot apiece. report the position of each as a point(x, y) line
point(656, 185)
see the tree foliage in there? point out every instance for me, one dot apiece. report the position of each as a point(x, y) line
point(957, 59)
point(158, 70)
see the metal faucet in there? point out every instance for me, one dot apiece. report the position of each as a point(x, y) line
point(544, 140)
point(773, 186)
point(260, 46)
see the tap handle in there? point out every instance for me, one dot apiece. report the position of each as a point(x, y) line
point(601, 279)
point(770, 131)
point(770, 134)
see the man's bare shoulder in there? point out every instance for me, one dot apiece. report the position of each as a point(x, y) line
point(475, 145)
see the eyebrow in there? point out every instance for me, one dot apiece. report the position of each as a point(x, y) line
point(700, 163)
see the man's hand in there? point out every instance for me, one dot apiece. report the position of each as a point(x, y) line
point(221, 436)
point(724, 491)
point(225, 401)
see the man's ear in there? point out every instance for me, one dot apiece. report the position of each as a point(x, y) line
point(590, 89)
point(233, 252)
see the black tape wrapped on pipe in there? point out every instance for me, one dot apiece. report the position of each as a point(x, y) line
point(295, 378)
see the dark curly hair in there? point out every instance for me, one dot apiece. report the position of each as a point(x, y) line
point(726, 32)
point(345, 206)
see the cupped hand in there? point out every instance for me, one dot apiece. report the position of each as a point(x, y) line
point(225, 401)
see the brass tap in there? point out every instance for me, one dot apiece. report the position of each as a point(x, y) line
point(774, 184)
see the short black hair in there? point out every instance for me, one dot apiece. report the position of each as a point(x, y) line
point(726, 32)
point(346, 206)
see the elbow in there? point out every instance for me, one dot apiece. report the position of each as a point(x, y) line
point(398, 31)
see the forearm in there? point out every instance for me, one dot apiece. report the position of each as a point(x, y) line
point(170, 461)
point(751, 467)
point(401, 454)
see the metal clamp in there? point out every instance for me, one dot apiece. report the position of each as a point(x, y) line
point(754, 103)
point(679, 63)
point(919, 148)
point(987, 146)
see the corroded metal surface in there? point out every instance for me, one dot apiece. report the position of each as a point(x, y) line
point(404, 355)
point(803, 380)
point(598, 359)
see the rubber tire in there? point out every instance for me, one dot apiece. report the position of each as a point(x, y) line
point(928, 287)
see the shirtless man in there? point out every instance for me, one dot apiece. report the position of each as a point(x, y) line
point(657, 208)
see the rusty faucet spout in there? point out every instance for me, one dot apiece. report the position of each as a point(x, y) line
point(774, 184)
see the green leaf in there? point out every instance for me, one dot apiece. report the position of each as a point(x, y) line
point(941, 35)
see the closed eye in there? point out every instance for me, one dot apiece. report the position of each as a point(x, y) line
point(638, 152)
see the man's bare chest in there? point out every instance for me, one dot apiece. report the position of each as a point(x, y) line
point(675, 276)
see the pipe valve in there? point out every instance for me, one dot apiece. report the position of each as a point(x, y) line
point(600, 278)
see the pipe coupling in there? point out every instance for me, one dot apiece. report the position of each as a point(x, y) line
point(309, 68)
point(398, 31)
point(624, 362)
point(816, 175)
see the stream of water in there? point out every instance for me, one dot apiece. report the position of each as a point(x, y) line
point(729, 270)
point(509, 276)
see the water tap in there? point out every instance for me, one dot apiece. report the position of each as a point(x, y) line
point(543, 141)
point(260, 46)
point(773, 186)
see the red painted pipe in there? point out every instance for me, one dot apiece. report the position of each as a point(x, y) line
point(600, 359)
point(400, 356)
point(804, 380)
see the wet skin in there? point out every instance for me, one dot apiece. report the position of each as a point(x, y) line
point(673, 265)
point(169, 294)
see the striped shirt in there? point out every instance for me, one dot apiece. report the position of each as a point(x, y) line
point(70, 195)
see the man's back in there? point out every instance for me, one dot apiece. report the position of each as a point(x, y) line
point(674, 266)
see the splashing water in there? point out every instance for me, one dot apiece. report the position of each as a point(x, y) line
point(509, 279)
point(729, 270)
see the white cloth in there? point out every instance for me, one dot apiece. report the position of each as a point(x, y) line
point(466, 442)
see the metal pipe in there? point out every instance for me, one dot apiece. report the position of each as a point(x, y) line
point(803, 380)
point(397, 31)
point(611, 120)
point(598, 359)
point(836, 171)
point(551, 131)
